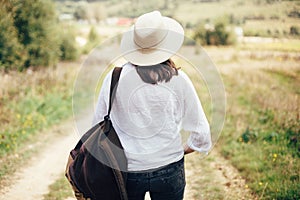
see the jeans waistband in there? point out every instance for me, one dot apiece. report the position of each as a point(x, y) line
point(158, 171)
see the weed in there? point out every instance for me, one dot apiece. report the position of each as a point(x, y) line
point(249, 136)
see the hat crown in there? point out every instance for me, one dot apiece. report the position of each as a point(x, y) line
point(149, 30)
point(152, 39)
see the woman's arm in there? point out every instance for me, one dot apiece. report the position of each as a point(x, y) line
point(187, 149)
point(195, 121)
point(102, 103)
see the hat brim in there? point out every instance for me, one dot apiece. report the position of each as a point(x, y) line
point(160, 53)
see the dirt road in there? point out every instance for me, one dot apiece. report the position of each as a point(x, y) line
point(33, 180)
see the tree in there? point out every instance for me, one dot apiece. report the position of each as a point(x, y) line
point(12, 54)
point(36, 24)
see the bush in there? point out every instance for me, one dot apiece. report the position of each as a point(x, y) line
point(294, 30)
point(93, 40)
point(217, 34)
point(68, 46)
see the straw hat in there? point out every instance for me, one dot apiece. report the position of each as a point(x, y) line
point(152, 39)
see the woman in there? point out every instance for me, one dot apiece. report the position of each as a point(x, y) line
point(154, 101)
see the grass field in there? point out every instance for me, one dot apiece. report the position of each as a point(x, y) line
point(261, 133)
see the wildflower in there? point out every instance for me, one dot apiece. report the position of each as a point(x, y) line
point(260, 183)
point(246, 186)
point(274, 157)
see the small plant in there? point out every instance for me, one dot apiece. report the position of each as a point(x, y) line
point(249, 136)
point(273, 136)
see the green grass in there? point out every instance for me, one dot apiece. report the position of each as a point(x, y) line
point(31, 103)
point(261, 136)
point(59, 190)
point(32, 113)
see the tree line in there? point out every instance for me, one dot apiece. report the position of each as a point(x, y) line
point(31, 35)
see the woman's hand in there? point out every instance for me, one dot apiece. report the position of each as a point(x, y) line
point(187, 149)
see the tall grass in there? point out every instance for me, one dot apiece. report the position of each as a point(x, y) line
point(33, 101)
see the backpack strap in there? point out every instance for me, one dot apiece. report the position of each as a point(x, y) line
point(114, 138)
point(113, 88)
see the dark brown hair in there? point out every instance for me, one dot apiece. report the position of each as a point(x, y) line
point(162, 72)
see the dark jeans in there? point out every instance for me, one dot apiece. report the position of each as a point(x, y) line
point(165, 183)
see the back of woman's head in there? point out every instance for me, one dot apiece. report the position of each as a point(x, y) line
point(162, 72)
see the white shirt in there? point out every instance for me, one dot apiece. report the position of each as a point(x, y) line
point(148, 118)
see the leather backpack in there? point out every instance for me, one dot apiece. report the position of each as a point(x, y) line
point(97, 166)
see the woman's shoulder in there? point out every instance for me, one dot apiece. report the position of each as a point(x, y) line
point(182, 74)
point(183, 77)
point(125, 68)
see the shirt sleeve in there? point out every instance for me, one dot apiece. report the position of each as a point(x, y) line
point(194, 119)
point(103, 100)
